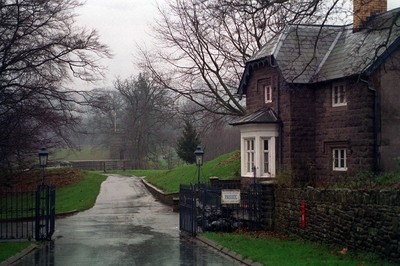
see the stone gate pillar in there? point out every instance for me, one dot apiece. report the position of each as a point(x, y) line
point(268, 204)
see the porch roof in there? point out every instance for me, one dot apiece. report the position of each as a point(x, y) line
point(261, 116)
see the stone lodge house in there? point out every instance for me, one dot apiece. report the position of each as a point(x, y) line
point(324, 101)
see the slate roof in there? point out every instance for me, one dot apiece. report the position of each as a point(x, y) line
point(262, 116)
point(315, 53)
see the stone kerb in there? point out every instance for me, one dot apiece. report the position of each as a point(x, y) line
point(169, 199)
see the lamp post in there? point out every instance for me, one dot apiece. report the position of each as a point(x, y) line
point(43, 155)
point(199, 161)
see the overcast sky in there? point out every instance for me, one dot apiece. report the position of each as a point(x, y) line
point(124, 23)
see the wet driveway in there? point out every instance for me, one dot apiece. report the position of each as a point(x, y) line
point(127, 226)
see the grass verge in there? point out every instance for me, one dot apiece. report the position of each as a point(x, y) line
point(9, 249)
point(226, 166)
point(73, 197)
point(76, 191)
point(79, 196)
point(271, 250)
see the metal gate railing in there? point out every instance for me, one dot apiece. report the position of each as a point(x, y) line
point(27, 215)
point(216, 216)
point(17, 212)
point(187, 209)
point(45, 212)
point(200, 208)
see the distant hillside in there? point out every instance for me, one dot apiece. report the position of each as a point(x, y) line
point(84, 153)
point(226, 166)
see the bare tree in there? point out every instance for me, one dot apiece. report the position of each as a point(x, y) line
point(104, 116)
point(147, 125)
point(41, 49)
point(208, 42)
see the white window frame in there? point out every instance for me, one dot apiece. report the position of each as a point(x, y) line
point(339, 94)
point(259, 133)
point(249, 149)
point(266, 158)
point(339, 159)
point(267, 93)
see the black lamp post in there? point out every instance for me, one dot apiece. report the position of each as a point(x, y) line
point(199, 161)
point(43, 155)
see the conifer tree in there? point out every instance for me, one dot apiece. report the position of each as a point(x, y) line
point(187, 143)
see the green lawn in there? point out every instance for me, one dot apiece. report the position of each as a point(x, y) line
point(271, 251)
point(226, 166)
point(80, 196)
point(9, 249)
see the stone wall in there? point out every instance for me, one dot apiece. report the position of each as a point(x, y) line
point(299, 129)
point(170, 199)
point(228, 183)
point(387, 81)
point(267, 205)
point(349, 127)
point(255, 98)
point(311, 127)
point(367, 220)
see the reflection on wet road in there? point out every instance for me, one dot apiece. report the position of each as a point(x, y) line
point(125, 227)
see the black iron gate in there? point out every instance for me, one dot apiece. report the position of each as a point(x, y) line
point(200, 208)
point(17, 212)
point(26, 215)
point(187, 209)
point(45, 212)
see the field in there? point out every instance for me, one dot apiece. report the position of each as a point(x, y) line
point(83, 153)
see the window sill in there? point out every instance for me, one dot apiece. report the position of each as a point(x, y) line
point(267, 175)
point(339, 169)
point(339, 105)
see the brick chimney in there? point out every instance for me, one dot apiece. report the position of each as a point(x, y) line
point(364, 9)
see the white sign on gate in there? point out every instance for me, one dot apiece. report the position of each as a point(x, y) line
point(230, 196)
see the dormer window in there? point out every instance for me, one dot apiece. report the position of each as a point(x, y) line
point(264, 88)
point(268, 93)
point(339, 95)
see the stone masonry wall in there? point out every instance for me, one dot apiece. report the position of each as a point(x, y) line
point(301, 130)
point(311, 127)
point(367, 220)
point(387, 81)
point(255, 92)
point(349, 127)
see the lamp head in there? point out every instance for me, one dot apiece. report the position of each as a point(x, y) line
point(199, 155)
point(43, 155)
